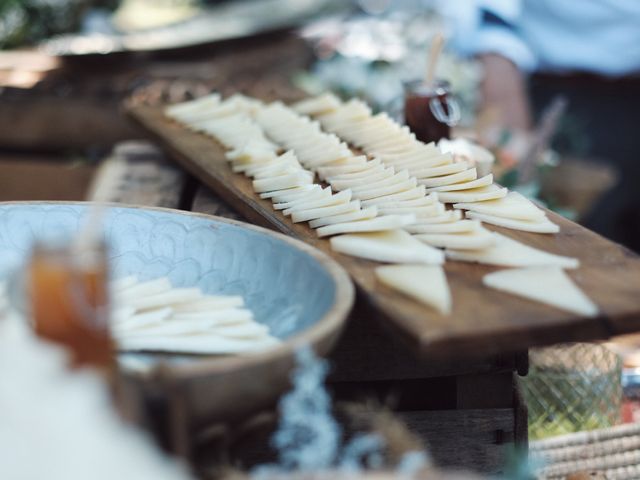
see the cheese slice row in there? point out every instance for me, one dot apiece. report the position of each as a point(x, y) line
point(507, 252)
point(391, 246)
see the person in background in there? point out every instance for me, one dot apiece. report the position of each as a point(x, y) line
point(586, 50)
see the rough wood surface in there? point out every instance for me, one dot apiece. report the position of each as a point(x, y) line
point(483, 321)
point(480, 448)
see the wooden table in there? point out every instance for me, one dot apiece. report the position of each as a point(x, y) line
point(454, 383)
point(466, 407)
point(459, 389)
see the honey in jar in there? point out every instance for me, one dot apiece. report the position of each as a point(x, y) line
point(68, 294)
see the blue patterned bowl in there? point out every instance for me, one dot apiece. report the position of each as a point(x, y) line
point(302, 294)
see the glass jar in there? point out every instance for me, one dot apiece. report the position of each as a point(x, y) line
point(571, 388)
point(67, 292)
point(430, 110)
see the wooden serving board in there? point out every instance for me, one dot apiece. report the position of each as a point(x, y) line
point(483, 321)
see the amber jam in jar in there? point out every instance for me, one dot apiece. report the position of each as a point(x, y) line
point(430, 110)
point(68, 294)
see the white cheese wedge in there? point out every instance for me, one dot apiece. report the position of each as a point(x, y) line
point(454, 178)
point(474, 240)
point(318, 194)
point(370, 177)
point(200, 324)
point(543, 225)
point(507, 252)
point(424, 283)
point(278, 171)
point(412, 194)
point(335, 169)
point(431, 172)
point(420, 212)
point(325, 157)
point(248, 158)
point(378, 224)
point(418, 202)
point(142, 320)
point(281, 196)
point(263, 168)
point(324, 103)
point(144, 289)
point(481, 194)
point(475, 184)
point(209, 303)
point(446, 217)
point(175, 295)
point(419, 161)
point(514, 205)
point(392, 246)
point(548, 285)
point(420, 150)
point(461, 226)
point(406, 185)
point(398, 144)
point(384, 182)
point(325, 201)
point(365, 214)
point(371, 170)
point(283, 182)
point(313, 213)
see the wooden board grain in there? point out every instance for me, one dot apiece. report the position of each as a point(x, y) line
point(483, 321)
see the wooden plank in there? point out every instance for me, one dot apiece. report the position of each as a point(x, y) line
point(483, 321)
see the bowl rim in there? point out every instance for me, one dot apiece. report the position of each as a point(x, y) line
point(330, 323)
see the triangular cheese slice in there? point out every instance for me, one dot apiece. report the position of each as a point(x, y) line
point(510, 253)
point(393, 246)
point(412, 194)
point(514, 205)
point(475, 240)
point(458, 177)
point(315, 213)
point(447, 217)
point(462, 226)
point(543, 225)
point(549, 285)
point(455, 187)
point(439, 171)
point(378, 224)
point(365, 214)
point(481, 194)
point(425, 283)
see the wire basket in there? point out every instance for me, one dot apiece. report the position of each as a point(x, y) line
point(571, 388)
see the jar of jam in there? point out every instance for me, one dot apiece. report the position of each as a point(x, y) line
point(430, 110)
point(68, 296)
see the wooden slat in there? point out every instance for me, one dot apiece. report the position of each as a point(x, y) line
point(483, 447)
point(483, 321)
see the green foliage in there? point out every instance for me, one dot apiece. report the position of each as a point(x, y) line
point(25, 22)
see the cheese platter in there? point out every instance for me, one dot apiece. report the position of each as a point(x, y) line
point(482, 320)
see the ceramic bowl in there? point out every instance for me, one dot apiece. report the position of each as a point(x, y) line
point(302, 294)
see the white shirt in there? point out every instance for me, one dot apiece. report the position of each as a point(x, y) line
point(599, 36)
